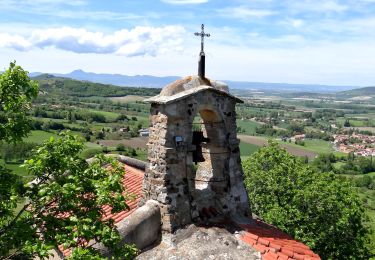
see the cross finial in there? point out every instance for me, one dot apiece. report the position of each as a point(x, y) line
point(202, 35)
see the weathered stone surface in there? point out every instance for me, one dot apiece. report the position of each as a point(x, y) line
point(194, 192)
point(192, 243)
point(141, 228)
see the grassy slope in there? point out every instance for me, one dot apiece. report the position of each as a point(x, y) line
point(247, 149)
point(248, 126)
point(315, 145)
point(15, 167)
point(39, 136)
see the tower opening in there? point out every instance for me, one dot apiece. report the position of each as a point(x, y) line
point(209, 182)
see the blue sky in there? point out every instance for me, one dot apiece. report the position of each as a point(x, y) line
point(293, 41)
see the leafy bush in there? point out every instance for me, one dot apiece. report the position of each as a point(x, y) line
point(299, 142)
point(320, 209)
point(120, 148)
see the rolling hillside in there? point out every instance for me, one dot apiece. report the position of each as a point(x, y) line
point(159, 82)
point(367, 91)
point(59, 86)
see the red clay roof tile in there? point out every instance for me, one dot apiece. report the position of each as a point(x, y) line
point(275, 246)
point(270, 256)
point(272, 240)
point(264, 242)
point(288, 252)
point(260, 248)
point(133, 183)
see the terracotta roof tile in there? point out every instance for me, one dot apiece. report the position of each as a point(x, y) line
point(263, 241)
point(133, 183)
point(270, 256)
point(272, 243)
point(260, 248)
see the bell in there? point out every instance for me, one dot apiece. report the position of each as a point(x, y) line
point(197, 154)
point(198, 138)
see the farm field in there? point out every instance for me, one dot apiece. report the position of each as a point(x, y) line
point(318, 146)
point(15, 167)
point(128, 99)
point(247, 126)
point(362, 128)
point(135, 142)
point(291, 148)
point(39, 136)
point(109, 115)
point(247, 149)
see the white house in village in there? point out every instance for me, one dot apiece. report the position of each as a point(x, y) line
point(144, 132)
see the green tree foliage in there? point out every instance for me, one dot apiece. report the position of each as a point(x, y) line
point(16, 93)
point(296, 128)
point(324, 162)
point(320, 209)
point(16, 152)
point(65, 203)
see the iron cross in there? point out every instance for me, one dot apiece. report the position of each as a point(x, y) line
point(202, 35)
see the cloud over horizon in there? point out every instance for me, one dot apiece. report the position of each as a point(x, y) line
point(138, 41)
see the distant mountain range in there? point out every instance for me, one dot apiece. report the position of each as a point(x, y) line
point(159, 82)
point(116, 79)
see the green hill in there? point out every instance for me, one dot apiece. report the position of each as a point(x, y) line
point(367, 91)
point(60, 87)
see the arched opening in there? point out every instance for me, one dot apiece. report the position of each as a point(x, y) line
point(210, 160)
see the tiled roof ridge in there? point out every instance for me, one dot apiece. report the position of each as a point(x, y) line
point(129, 161)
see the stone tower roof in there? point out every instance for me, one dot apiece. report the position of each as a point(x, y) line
point(191, 82)
point(188, 86)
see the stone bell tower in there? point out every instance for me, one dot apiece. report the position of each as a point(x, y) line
point(194, 168)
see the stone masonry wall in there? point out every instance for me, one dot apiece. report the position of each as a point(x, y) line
point(187, 192)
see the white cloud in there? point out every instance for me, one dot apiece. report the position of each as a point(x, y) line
point(96, 15)
point(244, 13)
point(323, 6)
point(139, 41)
point(14, 41)
point(183, 2)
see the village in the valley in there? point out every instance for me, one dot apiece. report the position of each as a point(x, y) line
point(359, 144)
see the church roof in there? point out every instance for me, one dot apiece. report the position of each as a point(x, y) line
point(188, 86)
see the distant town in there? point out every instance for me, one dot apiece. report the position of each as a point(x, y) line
point(359, 144)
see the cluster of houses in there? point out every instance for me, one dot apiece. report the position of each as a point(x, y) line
point(141, 132)
point(359, 144)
